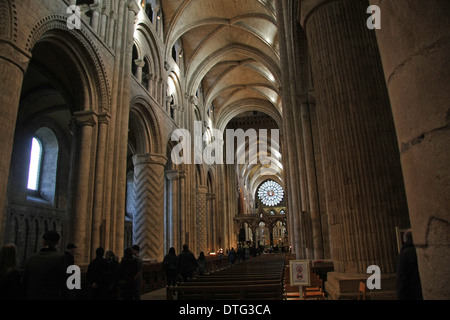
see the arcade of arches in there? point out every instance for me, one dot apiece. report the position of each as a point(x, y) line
point(352, 129)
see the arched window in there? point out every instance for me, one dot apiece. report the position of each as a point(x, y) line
point(43, 166)
point(145, 73)
point(34, 170)
point(134, 66)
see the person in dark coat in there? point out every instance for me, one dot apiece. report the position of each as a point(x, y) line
point(232, 256)
point(408, 279)
point(201, 262)
point(69, 254)
point(187, 263)
point(170, 266)
point(45, 271)
point(136, 249)
point(112, 275)
point(128, 273)
point(96, 275)
point(11, 285)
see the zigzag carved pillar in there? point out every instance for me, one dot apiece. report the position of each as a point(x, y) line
point(201, 219)
point(148, 223)
point(364, 184)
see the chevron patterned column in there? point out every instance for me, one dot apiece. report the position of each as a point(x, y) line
point(148, 223)
point(201, 219)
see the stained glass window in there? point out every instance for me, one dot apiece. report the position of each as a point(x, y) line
point(270, 193)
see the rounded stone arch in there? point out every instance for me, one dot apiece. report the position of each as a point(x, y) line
point(82, 57)
point(176, 88)
point(149, 47)
point(174, 93)
point(210, 181)
point(200, 176)
point(230, 111)
point(197, 75)
point(144, 123)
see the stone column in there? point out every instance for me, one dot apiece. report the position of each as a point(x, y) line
point(13, 65)
point(111, 28)
point(183, 205)
point(95, 19)
point(172, 177)
point(414, 42)
point(364, 184)
point(201, 219)
point(148, 223)
point(213, 242)
point(310, 168)
point(82, 201)
point(290, 157)
point(140, 65)
point(98, 238)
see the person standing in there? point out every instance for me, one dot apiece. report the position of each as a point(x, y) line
point(96, 275)
point(188, 263)
point(70, 254)
point(11, 285)
point(112, 275)
point(408, 279)
point(170, 266)
point(45, 271)
point(232, 257)
point(128, 271)
point(201, 262)
point(140, 264)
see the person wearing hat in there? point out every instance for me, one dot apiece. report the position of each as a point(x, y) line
point(69, 254)
point(44, 272)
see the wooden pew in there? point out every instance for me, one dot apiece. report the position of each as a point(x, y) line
point(259, 279)
point(228, 292)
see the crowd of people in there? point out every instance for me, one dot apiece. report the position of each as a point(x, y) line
point(44, 275)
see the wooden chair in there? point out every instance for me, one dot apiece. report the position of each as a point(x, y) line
point(362, 291)
point(314, 291)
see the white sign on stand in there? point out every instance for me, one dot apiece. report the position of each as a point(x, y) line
point(300, 273)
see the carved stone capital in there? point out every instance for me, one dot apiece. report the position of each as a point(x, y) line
point(86, 118)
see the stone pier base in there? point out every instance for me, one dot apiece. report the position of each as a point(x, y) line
point(344, 286)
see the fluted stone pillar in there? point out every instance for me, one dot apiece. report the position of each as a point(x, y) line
point(364, 184)
point(148, 222)
point(81, 217)
point(98, 237)
point(201, 219)
point(183, 208)
point(414, 42)
point(13, 65)
point(310, 168)
point(290, 158)
point(173, 206)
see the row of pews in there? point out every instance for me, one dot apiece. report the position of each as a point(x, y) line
point(260, 278)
